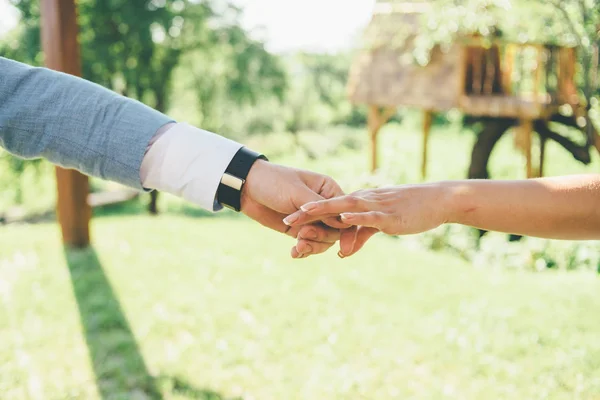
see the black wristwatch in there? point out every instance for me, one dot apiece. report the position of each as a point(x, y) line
point(229, 193)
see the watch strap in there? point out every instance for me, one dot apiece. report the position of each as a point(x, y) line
point(229, 192)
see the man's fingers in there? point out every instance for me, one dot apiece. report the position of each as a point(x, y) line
point(331, 189)
point(296, 254)
point(267, 217)
point(326, 210)
point(315, 239)
point(347, 239)
point(304, 195)
point(319, 233)
point(309, 247)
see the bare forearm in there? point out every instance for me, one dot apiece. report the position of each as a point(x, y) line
point(558, 208)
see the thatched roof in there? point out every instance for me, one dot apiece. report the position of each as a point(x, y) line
point(385, 74)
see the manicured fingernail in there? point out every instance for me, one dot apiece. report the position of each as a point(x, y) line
point(308, 207)
point(341, 255)
point(346, 216)
point(290, 219)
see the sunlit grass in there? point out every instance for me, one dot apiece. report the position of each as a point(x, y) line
point(189, 308)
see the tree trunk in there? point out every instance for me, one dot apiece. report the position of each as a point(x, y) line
point(494, 128)
point(486, 140)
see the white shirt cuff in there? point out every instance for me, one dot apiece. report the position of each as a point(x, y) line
point(188, 162)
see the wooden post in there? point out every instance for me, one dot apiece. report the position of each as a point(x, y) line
point(376, 119)
point(526, 131)
point(537, 90)
point(61, 51)
point(427, 120)
point(508, 69)
point(373, 123)
point(560, 73)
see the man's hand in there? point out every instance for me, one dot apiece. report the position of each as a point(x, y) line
point(273, 191)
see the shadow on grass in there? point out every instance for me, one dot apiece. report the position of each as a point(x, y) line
point(140, 207)
point(118, 364)
point(180, 387)
point(127, 208)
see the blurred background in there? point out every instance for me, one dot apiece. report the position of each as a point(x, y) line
point(172, 302)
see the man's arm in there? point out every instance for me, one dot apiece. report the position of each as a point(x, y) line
point(80, 125)
point(74, 123)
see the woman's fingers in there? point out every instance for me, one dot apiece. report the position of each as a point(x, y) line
point(367, 225)
point(373, 219)
point(314, 239)
point(336, 205)
point(352, 243)
point(363, 234)
point(336, 223)
point(325, 209)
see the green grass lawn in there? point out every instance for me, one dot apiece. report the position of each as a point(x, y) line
point(179, 307)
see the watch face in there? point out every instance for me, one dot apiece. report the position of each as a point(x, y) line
point(232, 181)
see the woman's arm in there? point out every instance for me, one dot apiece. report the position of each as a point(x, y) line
point(555, 208)
point(558, 208)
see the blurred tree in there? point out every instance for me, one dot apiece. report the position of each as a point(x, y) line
point(134, 47)
point(579, 21)
point(318, 94)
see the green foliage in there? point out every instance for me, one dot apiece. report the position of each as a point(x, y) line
point(314, 96)
point(494, 251)
point(227, 79)
point(566, 23)
point(27, 183)
point(317, 96)
point(135, 48)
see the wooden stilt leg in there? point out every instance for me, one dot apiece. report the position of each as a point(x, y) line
point(374, 127)
point(376, 120)
point(61, 52)
point(526, 133)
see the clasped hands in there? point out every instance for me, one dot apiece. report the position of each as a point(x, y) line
point(313, 209)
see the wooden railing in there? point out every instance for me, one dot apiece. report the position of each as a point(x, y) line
point(536, 73)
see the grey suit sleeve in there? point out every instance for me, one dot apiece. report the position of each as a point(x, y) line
point(74, 123)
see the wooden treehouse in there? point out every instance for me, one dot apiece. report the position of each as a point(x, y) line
point(502, 84)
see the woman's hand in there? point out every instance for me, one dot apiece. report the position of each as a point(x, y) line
point(399, 210)
point(555, 208)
